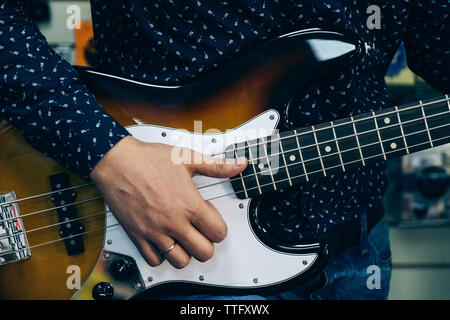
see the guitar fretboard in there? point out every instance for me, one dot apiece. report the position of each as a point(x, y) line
point(297, 156)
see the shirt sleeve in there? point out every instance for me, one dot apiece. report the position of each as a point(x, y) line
point(42, 95)
point(427, 42)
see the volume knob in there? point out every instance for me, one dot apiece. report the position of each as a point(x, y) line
point(122, 269)
point(103, 291)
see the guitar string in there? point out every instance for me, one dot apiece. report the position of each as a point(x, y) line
point(335, 153)
point(327, 168)
point(55, 208)
point(262, 171)
point(46, 194)
point(57, 240)
point(235, 179)
point(217, 197)
point(333, 126)
point(55, 224)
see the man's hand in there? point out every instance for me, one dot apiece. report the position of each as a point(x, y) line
point(156, 202)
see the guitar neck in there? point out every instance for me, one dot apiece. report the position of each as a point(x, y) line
point(288, 158)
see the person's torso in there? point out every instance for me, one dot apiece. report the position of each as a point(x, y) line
point(169, 42)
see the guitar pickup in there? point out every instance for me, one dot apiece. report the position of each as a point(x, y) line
point(13, 239)
point(71, 229)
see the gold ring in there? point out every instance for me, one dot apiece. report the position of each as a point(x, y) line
point(169, 248)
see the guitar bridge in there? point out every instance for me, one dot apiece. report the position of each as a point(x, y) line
point(13, 239)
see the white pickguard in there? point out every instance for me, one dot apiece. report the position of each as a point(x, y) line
point(241, 260)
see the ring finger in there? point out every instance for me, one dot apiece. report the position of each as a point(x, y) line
point(172, 251)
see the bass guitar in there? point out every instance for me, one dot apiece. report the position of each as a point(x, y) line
point(59, 240)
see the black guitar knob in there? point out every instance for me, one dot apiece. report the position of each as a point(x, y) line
point(122, 269)
point(103, 291)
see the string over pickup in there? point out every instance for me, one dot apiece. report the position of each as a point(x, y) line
point(71, 229)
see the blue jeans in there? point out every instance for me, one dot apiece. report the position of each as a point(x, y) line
point(350, 275)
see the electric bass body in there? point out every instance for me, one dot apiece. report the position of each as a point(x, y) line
point(44, 250)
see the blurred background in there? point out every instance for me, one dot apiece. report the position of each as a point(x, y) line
point(418, 198)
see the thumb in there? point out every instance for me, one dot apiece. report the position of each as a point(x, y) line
point(220, 167)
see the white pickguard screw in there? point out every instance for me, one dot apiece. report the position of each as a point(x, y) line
point(271, 117)
point(255, 280)
point(164, 134)
point(150, 279)
point(241, 205)
point(201, 278)
point(305, 262)
point(109, 242)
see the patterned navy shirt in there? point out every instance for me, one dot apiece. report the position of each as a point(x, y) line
point(171, 41)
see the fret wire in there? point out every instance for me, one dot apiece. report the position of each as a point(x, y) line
point(426, 122)
point(301, 156)
point(379, 136)
point(368, 131)
point(367, 145)
point(351, 149)
point(357, 141)
point(254, 168)
point(337, 146)
point(318, 150)
point(339, 125)
point(350, 162)
point(242, 178)
point(268, 164)
point(401, 129)
point(284, 159)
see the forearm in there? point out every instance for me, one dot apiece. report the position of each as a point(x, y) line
point(42, 95)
